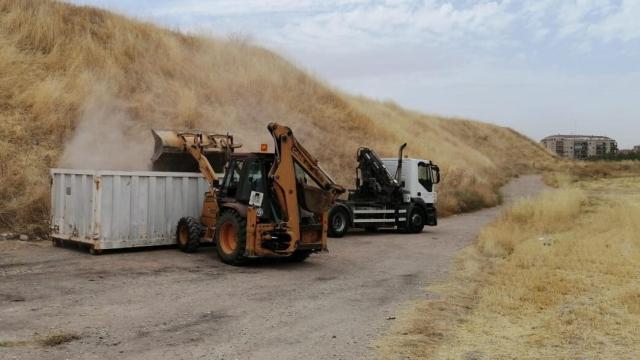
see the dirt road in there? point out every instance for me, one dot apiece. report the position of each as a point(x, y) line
point(163, 304)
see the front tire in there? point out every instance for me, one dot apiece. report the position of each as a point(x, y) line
point(188, 234)
point(416, 221)
point(338, 223)
point(231, 237)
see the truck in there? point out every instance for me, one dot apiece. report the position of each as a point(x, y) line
point(405, 201)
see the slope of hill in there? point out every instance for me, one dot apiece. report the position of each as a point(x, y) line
point(80, 87)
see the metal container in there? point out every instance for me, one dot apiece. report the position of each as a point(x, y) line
point(119, 209)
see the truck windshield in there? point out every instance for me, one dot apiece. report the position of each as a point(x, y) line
point(425, 177)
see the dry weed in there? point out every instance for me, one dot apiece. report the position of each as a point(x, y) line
point(555, 277)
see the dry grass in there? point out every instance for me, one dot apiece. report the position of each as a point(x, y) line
point(573, 171)
point(550, 213)
point(58, 60)
point(555, 277)
point(58, 339)
point(50, 340)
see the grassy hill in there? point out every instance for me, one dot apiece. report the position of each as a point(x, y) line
point(80, 87)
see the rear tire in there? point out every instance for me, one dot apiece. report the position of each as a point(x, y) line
point(231, 237)
point(188, 234)
point(338, 223)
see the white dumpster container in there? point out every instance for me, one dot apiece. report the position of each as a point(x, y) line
point(120, 209)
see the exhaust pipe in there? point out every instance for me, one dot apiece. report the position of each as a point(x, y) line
point(399, 168)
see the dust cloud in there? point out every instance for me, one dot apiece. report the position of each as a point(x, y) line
point(106, 138)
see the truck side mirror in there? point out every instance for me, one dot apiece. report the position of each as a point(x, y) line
point(437, 174)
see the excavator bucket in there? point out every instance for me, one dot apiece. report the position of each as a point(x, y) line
point(170, 153)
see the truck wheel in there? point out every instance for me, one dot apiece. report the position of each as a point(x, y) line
point(299, 256)
point(416, 221)
point(188, 234)
point(338, 223)
point(231, 237)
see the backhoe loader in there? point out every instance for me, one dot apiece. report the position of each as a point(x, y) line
point(267, 205)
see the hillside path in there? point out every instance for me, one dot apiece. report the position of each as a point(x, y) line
point(163, 304)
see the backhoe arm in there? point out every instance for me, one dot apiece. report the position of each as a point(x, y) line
point(288, 153)
point(287, 146)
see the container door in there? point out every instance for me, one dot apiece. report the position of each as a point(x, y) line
point(71, 205)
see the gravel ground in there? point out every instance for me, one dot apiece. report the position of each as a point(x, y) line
point(163, 304)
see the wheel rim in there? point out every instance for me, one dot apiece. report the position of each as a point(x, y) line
point(228, 239)
point(416, 219)
point(183, 235)
point(338, 222)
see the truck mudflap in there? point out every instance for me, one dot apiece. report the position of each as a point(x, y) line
point(432, 216)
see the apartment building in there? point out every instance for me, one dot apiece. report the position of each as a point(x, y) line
point(580, 146)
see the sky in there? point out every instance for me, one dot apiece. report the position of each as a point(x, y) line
point(541, 67)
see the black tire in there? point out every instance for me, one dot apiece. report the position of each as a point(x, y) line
point(338, 223)
point(299, 255)
point(231, 228)
point(188, 234)
point(416, 220)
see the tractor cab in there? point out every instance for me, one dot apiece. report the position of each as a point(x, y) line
point(246, 183)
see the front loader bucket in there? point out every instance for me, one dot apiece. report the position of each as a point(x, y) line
point(170, 150)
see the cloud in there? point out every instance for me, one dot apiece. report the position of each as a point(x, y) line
point(515, 61)
point(623, 24)
point(587, 22)
point(485, 23)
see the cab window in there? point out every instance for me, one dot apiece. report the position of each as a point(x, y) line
point(254, 176)
point(232, 178)
point(425, 177)
point(303, 178)
point(253, 181)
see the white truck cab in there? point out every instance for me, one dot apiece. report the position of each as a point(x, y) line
point(419, 177)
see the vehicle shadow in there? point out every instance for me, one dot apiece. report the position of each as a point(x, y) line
point(206, 249)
